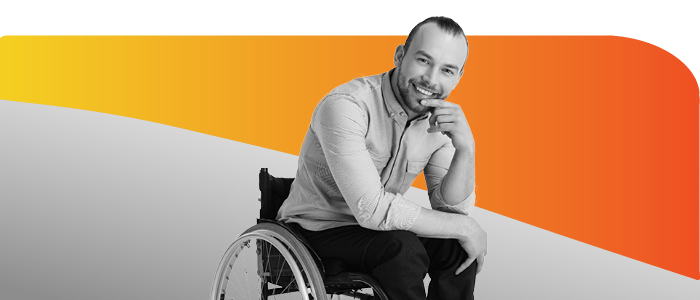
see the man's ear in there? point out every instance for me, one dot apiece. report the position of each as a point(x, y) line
point(398, 55)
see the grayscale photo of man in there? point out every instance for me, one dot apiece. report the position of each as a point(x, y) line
point(367, 142)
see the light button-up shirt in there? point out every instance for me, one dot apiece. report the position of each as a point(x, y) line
point(360, 155)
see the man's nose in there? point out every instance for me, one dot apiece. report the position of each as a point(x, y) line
point(429, 76)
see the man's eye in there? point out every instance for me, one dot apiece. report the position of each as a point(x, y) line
point(423, 60)
point(448, 71)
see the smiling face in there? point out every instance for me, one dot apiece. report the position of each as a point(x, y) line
point(430, 68)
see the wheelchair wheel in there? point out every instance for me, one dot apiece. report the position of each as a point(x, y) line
point(267, 262)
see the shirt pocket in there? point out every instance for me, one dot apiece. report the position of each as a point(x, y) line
point(413, 168)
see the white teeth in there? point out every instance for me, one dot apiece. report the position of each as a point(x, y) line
point(424, 91)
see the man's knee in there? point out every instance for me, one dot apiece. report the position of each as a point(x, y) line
point(400, 246)
point(445, 254)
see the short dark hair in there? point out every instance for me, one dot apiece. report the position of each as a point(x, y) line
point(446, 24)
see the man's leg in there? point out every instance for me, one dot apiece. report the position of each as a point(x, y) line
point(446, 255)
point(397, 259)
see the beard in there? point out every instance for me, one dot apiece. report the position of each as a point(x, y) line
point(405, 87)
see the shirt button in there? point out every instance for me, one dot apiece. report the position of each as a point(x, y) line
point(402, 114)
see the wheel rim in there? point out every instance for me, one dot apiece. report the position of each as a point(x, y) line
point(243, 274)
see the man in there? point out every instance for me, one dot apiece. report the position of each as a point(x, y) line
point(367, 142)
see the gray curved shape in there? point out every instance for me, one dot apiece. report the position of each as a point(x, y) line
point(97, 206)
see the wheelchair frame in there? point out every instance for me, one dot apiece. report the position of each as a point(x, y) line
point(305, 268)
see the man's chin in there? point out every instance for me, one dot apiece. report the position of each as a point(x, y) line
point(419, 109)
point(414, 103)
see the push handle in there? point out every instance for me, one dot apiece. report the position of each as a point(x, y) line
point(265, 197)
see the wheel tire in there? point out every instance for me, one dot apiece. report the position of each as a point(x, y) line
point(306, 275)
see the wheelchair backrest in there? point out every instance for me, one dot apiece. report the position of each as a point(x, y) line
point(273, 191)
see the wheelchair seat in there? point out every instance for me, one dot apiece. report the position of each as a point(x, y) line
point(285, 262)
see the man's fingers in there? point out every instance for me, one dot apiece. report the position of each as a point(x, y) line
point(441, 118)
point(436, 103)
point(444, 111)
point(433, 119)
point(445, 118)
point(442, 127)
point(464, 265)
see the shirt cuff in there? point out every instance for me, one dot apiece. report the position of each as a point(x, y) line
point(465, 207)
point(402, 214)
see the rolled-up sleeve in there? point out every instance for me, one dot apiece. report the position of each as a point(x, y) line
point(434, 172)
point(340, 124)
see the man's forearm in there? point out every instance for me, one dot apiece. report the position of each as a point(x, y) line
point(458, 183)
point(437, 224)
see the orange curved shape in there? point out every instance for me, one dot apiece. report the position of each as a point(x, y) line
point(591, 137)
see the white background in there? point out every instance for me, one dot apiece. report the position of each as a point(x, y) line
point(671, 24)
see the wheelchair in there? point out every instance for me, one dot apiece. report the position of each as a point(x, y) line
point(271, 260)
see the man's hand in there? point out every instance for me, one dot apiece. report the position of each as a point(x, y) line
point(448, 118)
point(475, 246)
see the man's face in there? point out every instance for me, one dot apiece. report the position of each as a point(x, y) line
point(431, 68)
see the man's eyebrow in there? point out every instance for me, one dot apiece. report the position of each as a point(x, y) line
point(451, 66)
point(421, 52)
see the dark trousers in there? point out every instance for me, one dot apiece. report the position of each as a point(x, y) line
point(399, 260)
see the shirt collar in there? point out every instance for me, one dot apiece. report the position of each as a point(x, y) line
point(392, 104)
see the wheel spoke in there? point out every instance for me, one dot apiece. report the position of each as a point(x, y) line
point(297, 295)
point(279, 272)
point(248, 277)
point(238, 280)
point(235, 288)
point(291, 280)
point(268, 270)
point(228, 277)
point(245, 268)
